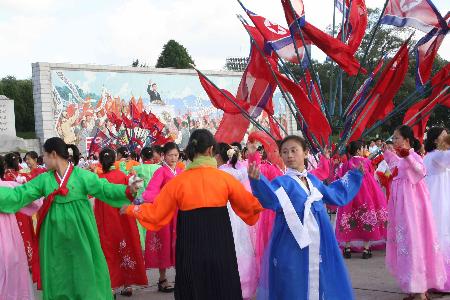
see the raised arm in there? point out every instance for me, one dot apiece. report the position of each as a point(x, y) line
point(263, 190)
point(244, 204)
point(154, 216)
point(341, 191)
point(115, 195)
point(13, 199)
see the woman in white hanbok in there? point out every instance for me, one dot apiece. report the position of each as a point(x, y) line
point(244, 235)
point(437, 163)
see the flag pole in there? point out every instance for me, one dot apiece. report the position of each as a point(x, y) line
point(405, 104)
point(285, 96)
point(314, 75)
point(244, 113)
point(366, 52)
point(279, 124)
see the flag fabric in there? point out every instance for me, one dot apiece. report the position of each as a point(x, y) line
point(360, 95)
point(316, 122)
point(275, 129)
point(417, 116)
point(294, 11)
point(426, 50)
point(279, 39)
point(355, 24)
point(232, 128)
point(257, 83)
point(218, 99)
point(379, 102)
point(99, 141)
point(420, 14)
point(341, 53)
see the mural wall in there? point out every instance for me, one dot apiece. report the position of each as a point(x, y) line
point(81, 96)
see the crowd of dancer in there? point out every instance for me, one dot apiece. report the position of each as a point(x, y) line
point(235, 222)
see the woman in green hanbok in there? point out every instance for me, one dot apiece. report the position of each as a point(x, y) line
point(72, 263)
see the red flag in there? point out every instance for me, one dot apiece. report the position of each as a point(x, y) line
point(341, 53)
point(426, 51)
point(112, 117)
point(294, 11)
point(232, 128)
point(278, 38)
point(218, 99)
point(127, 122)
point(100, 141)
point(274, 129)
point(380, 99)
point(438, 82)
point(257, 84)
point(356, 24)
point(419, 14)
point(315, 120)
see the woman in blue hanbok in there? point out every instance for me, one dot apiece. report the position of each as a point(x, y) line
point(303, 261)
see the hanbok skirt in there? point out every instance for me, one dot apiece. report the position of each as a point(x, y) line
point(205, 256)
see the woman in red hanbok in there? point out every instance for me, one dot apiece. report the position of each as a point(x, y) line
point(31, 158)
point(119, 235)
point(160, 245)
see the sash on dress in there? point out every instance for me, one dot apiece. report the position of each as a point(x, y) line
point(306, 234)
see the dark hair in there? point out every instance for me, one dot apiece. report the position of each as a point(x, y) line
point(389, 143)
point(40, 160)
point(199, 141)
point(2, 167)
point(170, 146)
point(222, 150)
point(147, 153)
point(158, 149)
point(18, 156)
point(299, 140)
point(11, 161)
point(134, 156)
point(62, 149)
point(407, 133)
point(238, 145)
point(32, 154)
point(107, 159)
point(123, 151)
point(353, 147)
point(432, 134)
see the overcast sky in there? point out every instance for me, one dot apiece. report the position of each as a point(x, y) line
point(114, 32)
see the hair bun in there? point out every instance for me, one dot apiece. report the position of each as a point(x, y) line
point(230, 153)
point(194, 142)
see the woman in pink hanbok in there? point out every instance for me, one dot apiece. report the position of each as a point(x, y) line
point(413, 254)
point(15, 279)
point(364, 219)
point(160, 245)
point(243, 234)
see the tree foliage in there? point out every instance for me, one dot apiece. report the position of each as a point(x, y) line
point(174, 55)
point(21, 91)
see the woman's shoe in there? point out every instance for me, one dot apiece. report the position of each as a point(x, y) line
point(367, 253)
point(347, 252)
point(164, 287)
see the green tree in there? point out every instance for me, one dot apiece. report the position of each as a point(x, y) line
point(174, 55)
point(21, 91)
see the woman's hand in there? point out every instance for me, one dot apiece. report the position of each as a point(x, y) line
point(123, 209)
point(253, 171)
point(136, 184)
point(252, 147)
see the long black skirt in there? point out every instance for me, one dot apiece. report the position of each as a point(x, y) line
point(206, 265)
